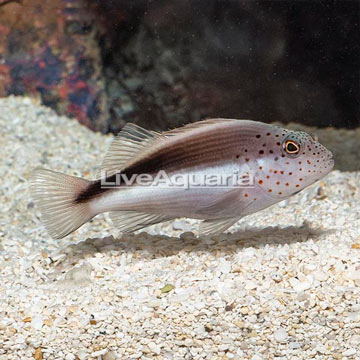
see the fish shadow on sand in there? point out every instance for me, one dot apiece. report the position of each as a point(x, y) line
point(154, 246)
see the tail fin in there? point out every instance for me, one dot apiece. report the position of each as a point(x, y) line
point(55, 193)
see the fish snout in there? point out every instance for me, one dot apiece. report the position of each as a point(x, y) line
point(330, 161)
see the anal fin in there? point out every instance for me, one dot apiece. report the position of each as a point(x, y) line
point(216, 226)
point(130, 221)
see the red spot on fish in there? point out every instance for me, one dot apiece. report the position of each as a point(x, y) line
point(260, 182)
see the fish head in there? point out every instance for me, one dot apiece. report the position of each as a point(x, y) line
point(290, 161)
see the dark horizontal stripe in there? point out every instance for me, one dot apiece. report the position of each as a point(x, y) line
point(205, 148)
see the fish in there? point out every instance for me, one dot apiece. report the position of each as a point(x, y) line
point(236, 168)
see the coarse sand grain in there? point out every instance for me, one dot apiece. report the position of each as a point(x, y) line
point(284, 283)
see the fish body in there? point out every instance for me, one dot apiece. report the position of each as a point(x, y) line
point(216, 170)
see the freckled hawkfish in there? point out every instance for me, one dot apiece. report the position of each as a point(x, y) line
point(206, 156)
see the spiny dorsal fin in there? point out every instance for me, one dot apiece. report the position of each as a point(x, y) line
point(197, 125)
point(134, 141)
point(131, 143)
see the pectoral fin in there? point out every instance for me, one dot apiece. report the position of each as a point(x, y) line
point(229, 206)
point(226, 205)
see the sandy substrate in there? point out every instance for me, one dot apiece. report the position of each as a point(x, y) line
point(285, 284)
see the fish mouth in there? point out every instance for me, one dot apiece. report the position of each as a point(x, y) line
point(330, 165)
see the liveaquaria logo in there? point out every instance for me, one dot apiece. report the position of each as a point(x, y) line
point(197, 179)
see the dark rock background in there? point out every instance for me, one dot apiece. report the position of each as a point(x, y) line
point(50, 49)
point(165, 63)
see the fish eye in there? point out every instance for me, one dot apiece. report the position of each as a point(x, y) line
point(291, 147)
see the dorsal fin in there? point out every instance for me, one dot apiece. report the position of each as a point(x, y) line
point(134, 141)
point(197, 125)
point(129, 144)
